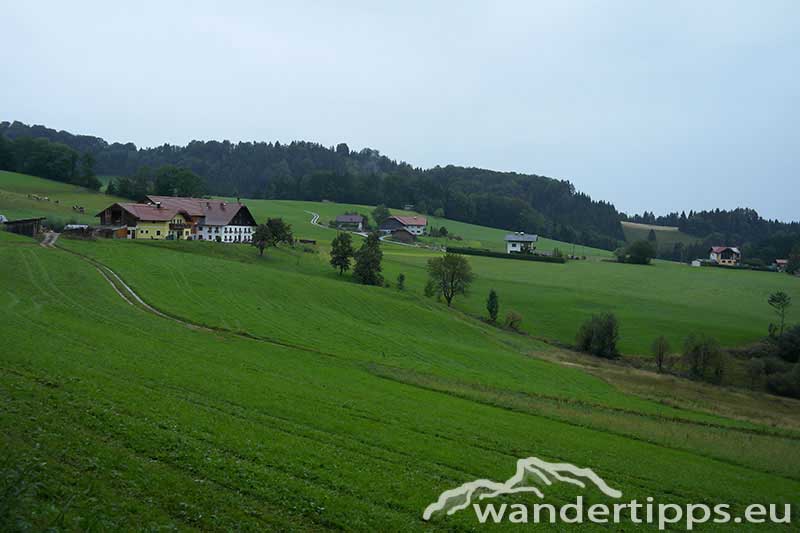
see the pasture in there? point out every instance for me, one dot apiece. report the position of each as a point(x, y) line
point(664, 298)
point(666, 236)
point(313, 403)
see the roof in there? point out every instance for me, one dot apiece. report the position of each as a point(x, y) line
point(782, 261)
point(350, 218)
point(720, 249)
point(215, 212)
point(522, 237)
point(411, 221)
point(190, 205)
point(150, 212)
point(25, 220)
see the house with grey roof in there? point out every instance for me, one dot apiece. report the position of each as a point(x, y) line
point(521, 242)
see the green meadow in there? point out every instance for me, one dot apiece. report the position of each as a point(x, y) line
point(274, 394)
point(310, 402)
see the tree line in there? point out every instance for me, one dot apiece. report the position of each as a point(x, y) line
point(759, 238)
point(47, 159)
point(309, 171)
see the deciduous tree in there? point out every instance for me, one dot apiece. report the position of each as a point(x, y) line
point(342, 252)
point(450, 274)
point(368, 261)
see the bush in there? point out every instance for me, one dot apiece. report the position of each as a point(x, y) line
point(513, 320)
point(703, 358)
point(786, 383)
point(501, 255)
point(598, 336)
point(638, 253)
point(788, 345)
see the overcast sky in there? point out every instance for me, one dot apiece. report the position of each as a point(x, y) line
point(650, 105)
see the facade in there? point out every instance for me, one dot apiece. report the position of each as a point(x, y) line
point(213, 220)
point(415, 225)
point(350, 222)
point(25, 226)
point(725, 255)
point(403, 235)
point(147, 221)
point(520, 243)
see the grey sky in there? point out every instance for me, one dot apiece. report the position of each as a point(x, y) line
point(649, 105)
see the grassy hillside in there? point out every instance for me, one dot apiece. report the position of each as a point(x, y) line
point(666, 236)
point(661, 299)
point(337, 407)
point(17, 200)
point(664, 298)
point(473, 236)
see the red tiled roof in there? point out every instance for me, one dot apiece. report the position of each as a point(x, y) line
point(214, 212)
point(411, 220)
point(150, 212)
point(720, 249)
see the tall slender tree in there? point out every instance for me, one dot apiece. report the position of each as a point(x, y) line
point(368, 261)
point(341, 252)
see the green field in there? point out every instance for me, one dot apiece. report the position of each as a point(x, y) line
point(17, 200)
point(666, 236)
point(273, 394)
point(313, 404)
point(665, 298)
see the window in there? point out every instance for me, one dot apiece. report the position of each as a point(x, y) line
point(158, 232)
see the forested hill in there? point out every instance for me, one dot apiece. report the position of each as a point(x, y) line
point(310, 171)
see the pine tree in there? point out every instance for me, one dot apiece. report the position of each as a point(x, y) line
point(493, 306)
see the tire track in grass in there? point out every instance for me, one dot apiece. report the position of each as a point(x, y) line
point(127, 293)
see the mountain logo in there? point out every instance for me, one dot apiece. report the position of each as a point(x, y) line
point(528, 470)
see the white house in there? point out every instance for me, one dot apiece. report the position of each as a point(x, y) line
point(213, 220)
point(415, 225)
point(521, 243)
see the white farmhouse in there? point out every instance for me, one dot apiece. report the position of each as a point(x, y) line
point(521, 243)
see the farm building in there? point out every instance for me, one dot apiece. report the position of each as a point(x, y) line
point(415, 225)
point(167, 217)
point(147, 221)
point(781, 265)
point(25, 226)
point(403, 235)
point(350, 222)
point(520, 243)
point(725, 255)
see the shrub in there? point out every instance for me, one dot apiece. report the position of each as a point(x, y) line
point(703, 358)
point(660, 351)
point(493, 306)
point(401, 282)
point(513, 320)
point(501, 255)
point(599, 335)
point(755, 370)
point(786, 383)
point(639, 253)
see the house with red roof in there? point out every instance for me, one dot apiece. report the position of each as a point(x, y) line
point(167, 217)
point(414, 224)
point(725, 255)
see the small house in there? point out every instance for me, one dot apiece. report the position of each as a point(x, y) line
point(415, 225)
point(521, 243)
point(697, 263)
point(725, 255)
point(781, 265)
point(350, 222)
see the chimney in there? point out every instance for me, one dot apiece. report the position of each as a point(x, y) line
point(208, 205)
point(158, 205)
